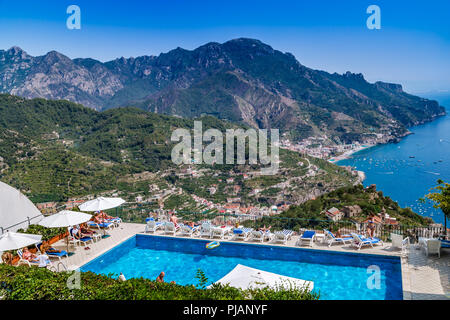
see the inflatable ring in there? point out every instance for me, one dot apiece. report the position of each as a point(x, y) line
point(212, 245)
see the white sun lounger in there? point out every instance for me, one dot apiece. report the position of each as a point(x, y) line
point(331, 239)
point(32, 263)
point(242, 233)
point(359, 241)
point(283, 236)
point(55, 255)
point(260, 236)
point(205, 230)
point(83, 241)
point(433, 246)
point(399, 243)
point(187, 230)
point(308, 237)
point(171, 228)
point(153, 226)
point(105, 225)
point(220, 232)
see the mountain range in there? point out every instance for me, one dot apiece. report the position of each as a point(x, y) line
point(242, 80)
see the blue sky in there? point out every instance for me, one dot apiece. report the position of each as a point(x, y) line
point(412, 47)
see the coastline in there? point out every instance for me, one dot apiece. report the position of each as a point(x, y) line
point(349, 153)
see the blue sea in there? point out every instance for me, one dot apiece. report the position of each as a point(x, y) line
point(406, 171)
point(336, 275)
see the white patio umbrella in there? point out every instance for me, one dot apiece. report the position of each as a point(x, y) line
point(101, 203)
point(13, 240)
point(65, 218)
point(244, 277)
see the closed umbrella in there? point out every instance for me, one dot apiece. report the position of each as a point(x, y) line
point(244, 277)
point(65, 218)
point(101, 203)
point(13, 240)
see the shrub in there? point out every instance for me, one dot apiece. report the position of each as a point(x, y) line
point(47, 233)
point(25, 283)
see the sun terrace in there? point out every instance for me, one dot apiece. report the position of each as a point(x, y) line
point(410, 267)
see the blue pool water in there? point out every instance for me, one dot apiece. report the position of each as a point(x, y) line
point(335, 275)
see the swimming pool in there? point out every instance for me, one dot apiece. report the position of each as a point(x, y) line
point(336, 275)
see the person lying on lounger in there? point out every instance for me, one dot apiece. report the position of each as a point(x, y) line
point(104, 216)
point(192, 224)
point(264, 229)
point(97, 219)
point(48, 249)
point(45, 247)
point(85, 231)
point(27, 255)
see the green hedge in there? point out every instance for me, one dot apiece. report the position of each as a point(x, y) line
point(47, 233)
point(32, 283)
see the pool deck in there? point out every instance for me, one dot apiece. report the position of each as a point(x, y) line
point(423, 278)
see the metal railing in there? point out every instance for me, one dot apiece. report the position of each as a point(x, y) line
point(23, 224)
point(346, 226)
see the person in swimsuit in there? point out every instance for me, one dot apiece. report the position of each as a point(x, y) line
point(7, 258)
point(370, 227)
point(174, 219)
point(27, 255)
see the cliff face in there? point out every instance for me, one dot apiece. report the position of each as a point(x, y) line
point(241, 80)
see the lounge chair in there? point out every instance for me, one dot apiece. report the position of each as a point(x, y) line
point(171, 228)
point(307, 236)
point(242, 233)
point(220, 232)
point(258, 235)
point(22, 260)
point(205, 230)
point(331, 239)
point(359, 241)
point(116, 221)
point(54, 255)
point(283, 236)
point(187, 230)
point(28, 262)
point(153, 226)
point(82, 241)
point(445, 244)
point(400, 243)
point(103, 225)
point(433, 246)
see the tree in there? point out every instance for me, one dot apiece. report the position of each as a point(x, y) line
point(441, 199)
